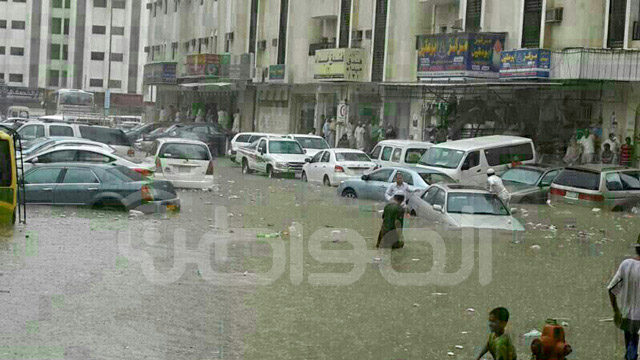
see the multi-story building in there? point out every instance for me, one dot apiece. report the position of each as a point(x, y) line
point(482, 65)
point(92, 45)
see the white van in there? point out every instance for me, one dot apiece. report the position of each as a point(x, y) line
point(467, 160)
point(399, 152)
point(245, 139)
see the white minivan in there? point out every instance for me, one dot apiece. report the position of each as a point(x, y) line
point(468, 160)
point(399, 152)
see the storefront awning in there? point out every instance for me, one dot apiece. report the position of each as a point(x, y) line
point(192, 85)
point(474, 84)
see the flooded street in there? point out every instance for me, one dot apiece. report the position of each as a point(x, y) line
point(87, 284)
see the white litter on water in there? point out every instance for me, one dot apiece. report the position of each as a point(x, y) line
point(465, 332)
point(438, 294)
point(596, 210)
point(450, 353)
point(135, 213)
point(415, 259)
point(471, 310)
point(459, 347)
point(535, 247)
point(416, 305)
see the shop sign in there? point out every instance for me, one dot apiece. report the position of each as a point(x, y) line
point(460, 55)
point(240, 67)
point(160, 73)
point(276, 72)
point(339, 65)
point(526, 63)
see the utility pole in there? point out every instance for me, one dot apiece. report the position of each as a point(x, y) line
point(108, 93)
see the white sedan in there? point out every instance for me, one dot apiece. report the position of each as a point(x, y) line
point(84, 154)
point(186, 163)
point(332, 166)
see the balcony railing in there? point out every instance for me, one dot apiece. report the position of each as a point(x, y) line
point(320, 46)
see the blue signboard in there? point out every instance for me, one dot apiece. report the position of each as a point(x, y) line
point(460, 55)
point(525, 63)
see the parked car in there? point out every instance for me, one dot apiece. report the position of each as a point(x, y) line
point(529, 183)
point(332, 166)
point(98, 185)
point(468, 160)
point(462, 206)
point(106, 135)
point(399, 152)
point(311, 143)
point(83, 153)
point(139, 131)
point(148, 138)
point(273, 156)
point(597, 185)
point(245, 139)
point(186, 163)
point(374, 185)
point(211, 134)
point(40, 144)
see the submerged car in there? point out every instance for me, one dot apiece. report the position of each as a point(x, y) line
point(312, 144)
point(374, 185)
point(81, 154)
point(100, 185)
point(333, 166)
point(597, 185)
point(456, 206)
point(529, 183)
point(40, 144)
point(186, 163)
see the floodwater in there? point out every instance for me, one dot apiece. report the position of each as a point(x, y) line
point(79, 284)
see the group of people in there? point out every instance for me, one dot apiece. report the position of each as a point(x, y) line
point(350, 137)
point(200, 116)
point(583, 150)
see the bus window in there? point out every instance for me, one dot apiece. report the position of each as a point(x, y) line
point(5, 163)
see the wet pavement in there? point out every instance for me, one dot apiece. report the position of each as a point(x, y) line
point(86, 284)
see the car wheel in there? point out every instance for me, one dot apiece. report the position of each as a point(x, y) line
point(110, 204)
point(326, 181)
point(270, 173)
point(304, 177)
point(349, 193)
point(245, 167)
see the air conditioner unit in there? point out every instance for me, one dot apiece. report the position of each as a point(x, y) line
point(262, 45)
point(554, 15)
point(274, 42)
point(356, 35)
point(228, 36)
point(457, 24)
point(149, 6)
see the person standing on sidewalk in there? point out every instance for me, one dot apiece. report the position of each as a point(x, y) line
point(624, 294)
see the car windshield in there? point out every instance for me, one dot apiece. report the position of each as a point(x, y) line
point(442, 157)
point(522, 176)
point(125, 174)
point(311, 142)
point(158, 131)
point(285, 147)
point(431, 178)
point(104, 135)
point(352, 156)
point(475, 203)
point(578, 178)
point(184, 151)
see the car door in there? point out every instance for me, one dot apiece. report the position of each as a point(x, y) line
point(78, 187)
point(312, 168)
point(87, 156)
point(323, 166)
point(376, 184)
point(260, 161)
point(385, 156)
point(424, 206)
point(40, 184)
point(471, 171)
point(544, 185)
point(375, 154)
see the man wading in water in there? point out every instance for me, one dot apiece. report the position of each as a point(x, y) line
point(390, 235)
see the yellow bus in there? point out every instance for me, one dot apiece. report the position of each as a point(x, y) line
point(12, 196)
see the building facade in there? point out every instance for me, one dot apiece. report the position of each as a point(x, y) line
point(92, 45)
point(477, 66)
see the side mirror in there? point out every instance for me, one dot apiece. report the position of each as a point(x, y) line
point(304, 151)
point(365, 177)
point(437, 207)
point(307, 160)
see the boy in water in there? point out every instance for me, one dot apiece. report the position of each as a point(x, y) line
point(499, 344)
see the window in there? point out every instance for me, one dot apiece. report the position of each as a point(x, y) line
point(184, 151)
point(15, 78)
point(325, 157)
point(381, 175)
point(55, 51)
point(57, 156)
point(64, 79)
point(200, 129)
point(262, 147)
point(396, 155)
point(5, 163)
point(472, 160)
point(243, 138)
point(412, 156)
point(100, 3)
point(104, 135)
point(119, 4)
point(116, 57)
point(54, 77)
point(439, 198)
point(578, 178)
point(66, 26)
point(406, 177)
point(507, 154)
point(116, 84)
point(97, 55)
point(95, 82)
point(65, 52)
point(56, 25)
point(17, 51)
point(317, 157)
point(98, 29)
point(67, 4)
point(613, 182)
point(376, 152)
point(79, 176)
point(59, 130)
point(20, 1)
point(548, 179)
point(386, 153)
point(630, 180)
point(117, 30)
point(42, 176)
point(1, 76)
point(92, 157)
point(435, 178)
point(474, 12)
point(531, 23)
point(430, 195)
point(175, 5)
point(57, 4)
point(17, 25)
point(3, 24)
point(2, 50)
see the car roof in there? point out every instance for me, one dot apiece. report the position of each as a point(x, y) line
point(482, 142)
point(281, 139)
point(597, 168)
point(179, 141)
point(464, 188)
point(541, 167)
point(307, 135)
point(405, 143)
point(77, 164)
point(344, 150)
point(80, 147)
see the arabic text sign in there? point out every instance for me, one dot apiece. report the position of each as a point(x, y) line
point(339, 64)
point(160, 73)
point(529, 63)
point(463, 54)
point(276, 72)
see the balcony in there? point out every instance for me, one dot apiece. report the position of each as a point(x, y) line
point(321, 46)
point(596, 64)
